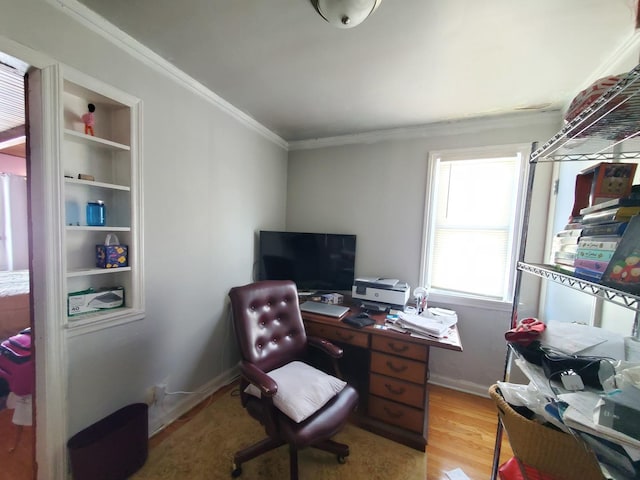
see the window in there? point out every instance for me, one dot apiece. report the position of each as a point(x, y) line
point(473, 215)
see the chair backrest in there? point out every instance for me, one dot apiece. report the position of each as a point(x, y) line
point(268, 323)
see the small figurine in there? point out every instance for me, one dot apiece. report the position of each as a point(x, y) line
point(88, 119)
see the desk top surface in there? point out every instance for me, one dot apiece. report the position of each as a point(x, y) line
point(450, 342)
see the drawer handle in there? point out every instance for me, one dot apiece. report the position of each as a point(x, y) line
point(398, 391)
point(400, 349)
point(392, 414)
point(399, 369)
point(345, 337)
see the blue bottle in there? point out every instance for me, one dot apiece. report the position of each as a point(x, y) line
point(96, 215)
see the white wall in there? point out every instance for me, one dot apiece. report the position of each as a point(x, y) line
point(210, 182)
point(375, 188)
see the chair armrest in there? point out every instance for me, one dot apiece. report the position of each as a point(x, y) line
point(326, 346)
point(267, 385)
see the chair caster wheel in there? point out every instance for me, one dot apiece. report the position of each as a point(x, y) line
point(237, 471)
point(342, 460)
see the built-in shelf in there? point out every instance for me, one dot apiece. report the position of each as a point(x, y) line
point(112, 157)
point(95, 141)
point(94, 321)
point(87, 228)
point(81, 272)
point(92, 183)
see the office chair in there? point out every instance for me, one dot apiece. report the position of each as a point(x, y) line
point(271, 337)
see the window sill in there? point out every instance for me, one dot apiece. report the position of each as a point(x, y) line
point(452, 300)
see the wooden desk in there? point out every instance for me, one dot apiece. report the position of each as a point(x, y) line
point(390, 371)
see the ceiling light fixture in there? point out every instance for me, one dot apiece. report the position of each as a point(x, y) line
point(345, 13)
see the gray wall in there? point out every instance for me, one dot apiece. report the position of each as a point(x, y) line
point(209, 183)
point(375, 188)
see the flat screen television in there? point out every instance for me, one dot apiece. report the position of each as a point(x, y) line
point(314, 261)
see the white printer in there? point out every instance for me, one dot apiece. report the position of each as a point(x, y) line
point(389, 291)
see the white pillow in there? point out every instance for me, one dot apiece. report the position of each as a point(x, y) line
point(302, 389)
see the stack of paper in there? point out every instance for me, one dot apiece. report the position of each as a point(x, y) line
point(432, 322)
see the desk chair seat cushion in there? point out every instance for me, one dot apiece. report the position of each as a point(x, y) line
point(322, 425)
point(302, 389)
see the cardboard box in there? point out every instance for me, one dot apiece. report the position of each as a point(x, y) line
point(602, 182)
point(90, 300)
point(332, 298)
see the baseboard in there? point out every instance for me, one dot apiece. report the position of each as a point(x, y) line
point(460, 385)
point(161, 416)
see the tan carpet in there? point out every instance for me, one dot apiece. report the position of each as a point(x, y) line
point(203, 449)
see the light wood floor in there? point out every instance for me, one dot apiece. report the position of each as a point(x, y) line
point(16, 464)
point(462, 430)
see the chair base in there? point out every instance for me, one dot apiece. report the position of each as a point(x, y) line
point(339, 449)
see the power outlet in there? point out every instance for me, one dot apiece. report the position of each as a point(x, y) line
point(160, 391)
point(150, 396)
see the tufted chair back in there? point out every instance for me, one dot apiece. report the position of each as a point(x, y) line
point(268, 323)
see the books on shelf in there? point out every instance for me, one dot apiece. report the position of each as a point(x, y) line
point(618, 214)
point(613, 203)
point(623, 270)
point(593, 256)
point(613, 228)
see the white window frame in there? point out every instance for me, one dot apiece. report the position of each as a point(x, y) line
point(448, 296)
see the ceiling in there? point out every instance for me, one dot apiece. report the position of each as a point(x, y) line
point(413, 62)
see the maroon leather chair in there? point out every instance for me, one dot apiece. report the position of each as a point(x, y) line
point(270, 333)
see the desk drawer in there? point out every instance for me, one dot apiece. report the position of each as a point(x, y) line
point(398, 347)
point(397, 390)
point(398, 367)
point(344, 335)
point(396, 414)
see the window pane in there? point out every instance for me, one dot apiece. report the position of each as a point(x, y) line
point(470, 261)
point(473, 211)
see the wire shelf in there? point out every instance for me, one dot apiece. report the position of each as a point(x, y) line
point(549, 272)
point(609, 121)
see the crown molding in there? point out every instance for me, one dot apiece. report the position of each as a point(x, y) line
point(111, 33)
point(439, 129)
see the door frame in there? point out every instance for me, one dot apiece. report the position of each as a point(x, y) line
point(43, 151)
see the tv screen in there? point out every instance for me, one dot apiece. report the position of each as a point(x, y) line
point(314, 261)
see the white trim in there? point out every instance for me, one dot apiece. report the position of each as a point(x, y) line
point(48, 314)
point(164, 415)
point(111, 33)
point(460, 385)
point(440, 129)
point(24, 54)
point(488, 152)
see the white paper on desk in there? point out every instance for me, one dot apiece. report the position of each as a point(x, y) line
point(434, 325)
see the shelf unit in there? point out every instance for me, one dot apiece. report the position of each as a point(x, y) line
point(607, 130)
point(113, 158)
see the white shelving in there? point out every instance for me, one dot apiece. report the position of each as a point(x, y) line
point(112, 157)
